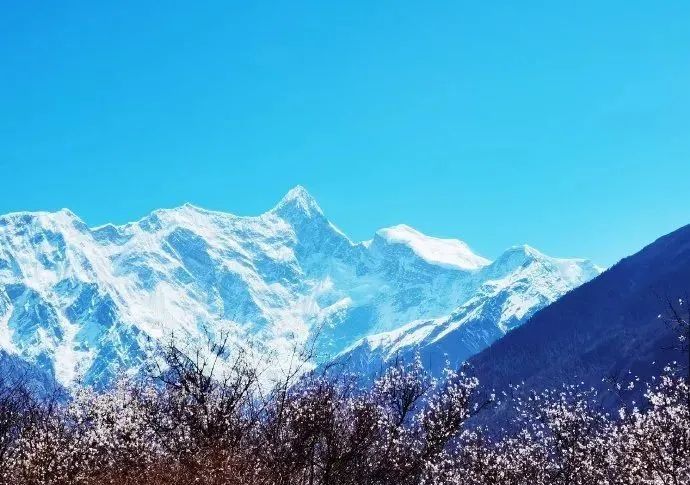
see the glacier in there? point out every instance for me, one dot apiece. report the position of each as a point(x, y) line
point(88, 304)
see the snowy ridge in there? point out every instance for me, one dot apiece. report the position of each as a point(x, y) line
point(85, 304)
point(450, 252)
point(518, 284)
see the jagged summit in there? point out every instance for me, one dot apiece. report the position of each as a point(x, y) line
point(298, 202)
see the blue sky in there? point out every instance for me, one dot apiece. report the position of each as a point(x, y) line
point(563, 126)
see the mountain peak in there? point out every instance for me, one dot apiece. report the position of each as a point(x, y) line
point(298, 201)
point(445, 252)
point(525, 250)
point(63, 218)
point(35, 214)
point(574, 270)
point(516, 256)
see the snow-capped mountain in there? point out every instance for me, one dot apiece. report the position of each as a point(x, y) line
point(515, 286)
point(85, 303)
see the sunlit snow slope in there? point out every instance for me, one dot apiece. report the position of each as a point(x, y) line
point(87, 303)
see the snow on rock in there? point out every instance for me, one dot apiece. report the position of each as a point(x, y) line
point(514, 287)
point(85, 304)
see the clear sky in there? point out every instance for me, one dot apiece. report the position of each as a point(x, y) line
point(565, 125)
